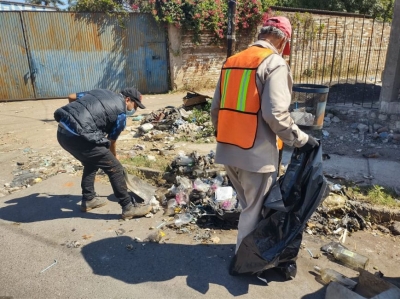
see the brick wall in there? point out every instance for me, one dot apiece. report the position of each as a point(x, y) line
point(198, 66)
point(341, 48)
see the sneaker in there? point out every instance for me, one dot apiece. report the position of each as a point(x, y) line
point(131, 211)
point(94, 203)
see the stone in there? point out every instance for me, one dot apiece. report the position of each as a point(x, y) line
point(377, 127)
point(354, 126)
point(383, 229)
point(372, 115)
point(396, 137)
point(362, 128)
point(395, 228)
point(151, 158)
point(397, 125)
point(329, 115)
point(336, 119)
point(334, 202)
point(383, 117)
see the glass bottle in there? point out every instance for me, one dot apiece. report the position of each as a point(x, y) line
point(349, 258)
point(328, 275)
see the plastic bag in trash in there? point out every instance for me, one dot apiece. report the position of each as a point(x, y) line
point(276, 240)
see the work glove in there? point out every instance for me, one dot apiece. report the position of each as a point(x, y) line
point(311, 143)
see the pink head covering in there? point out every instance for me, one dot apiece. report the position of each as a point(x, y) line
point(283, 24)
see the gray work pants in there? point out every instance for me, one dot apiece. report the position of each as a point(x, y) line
point(251, 188)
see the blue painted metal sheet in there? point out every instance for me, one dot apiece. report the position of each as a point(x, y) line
point(15, 81)
point(76, 52)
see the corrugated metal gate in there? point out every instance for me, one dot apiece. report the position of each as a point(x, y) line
point(52, 54)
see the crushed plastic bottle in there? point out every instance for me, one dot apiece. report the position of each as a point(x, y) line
point(328, 275)
point(181, 219)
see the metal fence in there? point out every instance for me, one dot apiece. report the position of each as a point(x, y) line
point(53, 54)
point(345, 53)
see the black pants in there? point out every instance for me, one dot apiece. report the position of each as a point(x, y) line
point(93, 157)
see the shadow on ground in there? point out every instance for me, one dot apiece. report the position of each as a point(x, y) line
point(124, 259)
point(41, 207)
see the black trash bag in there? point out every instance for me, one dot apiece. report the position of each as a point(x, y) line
point(276, 241)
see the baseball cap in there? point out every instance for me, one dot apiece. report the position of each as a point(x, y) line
point(134, 95)
point(283, 24)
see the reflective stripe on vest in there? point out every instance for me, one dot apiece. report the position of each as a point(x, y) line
point(240, 99)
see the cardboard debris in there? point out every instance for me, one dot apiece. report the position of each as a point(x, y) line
point(193, 98)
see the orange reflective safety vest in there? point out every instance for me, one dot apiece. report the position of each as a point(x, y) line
point(240, 99)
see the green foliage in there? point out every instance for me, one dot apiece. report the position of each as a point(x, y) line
point(381, 9)
point(201, 117)
point(108, 6)
point(200, 15)
point(377, 195)
point(161, 163)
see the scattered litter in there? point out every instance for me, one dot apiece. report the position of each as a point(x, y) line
point(328, 275)
point(215, 240)
point(72, 244)
point(137, 118)
point(346, 257)
point(181, 219)
point(120, 232)
point(87, 237)
point(156, 236)
point(55, 262)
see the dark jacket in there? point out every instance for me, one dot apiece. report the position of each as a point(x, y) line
point(94, 115)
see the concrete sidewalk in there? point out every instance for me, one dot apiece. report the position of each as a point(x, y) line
point(365, 171)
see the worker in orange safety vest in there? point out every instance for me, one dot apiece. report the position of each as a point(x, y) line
point(250, 113)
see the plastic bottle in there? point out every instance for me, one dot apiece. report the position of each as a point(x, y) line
point(328, 275)
point(349, 258)
point(181, 219)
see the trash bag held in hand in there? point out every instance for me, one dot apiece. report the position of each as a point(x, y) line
point(287, 207)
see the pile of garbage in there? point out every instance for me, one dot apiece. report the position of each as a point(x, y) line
point(189, 120)
point(200, 189)
point(336, 215)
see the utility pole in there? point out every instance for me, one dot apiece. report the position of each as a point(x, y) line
point(231, 37)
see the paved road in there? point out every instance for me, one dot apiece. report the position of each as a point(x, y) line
point(37, 224)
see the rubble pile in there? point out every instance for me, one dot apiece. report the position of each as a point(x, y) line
point(335, 215)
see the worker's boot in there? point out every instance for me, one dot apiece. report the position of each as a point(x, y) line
point(135, 210)
point(94, 203)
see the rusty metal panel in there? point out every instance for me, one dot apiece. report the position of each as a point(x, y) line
point(15, 80)
point(146, 64)
point(76, 52)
